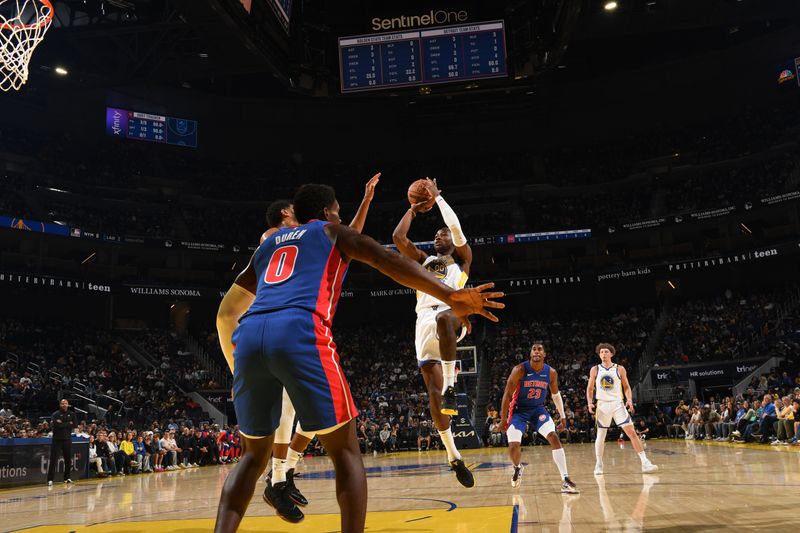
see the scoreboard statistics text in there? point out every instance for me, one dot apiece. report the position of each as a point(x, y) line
point(148, 127)
point(422, 57)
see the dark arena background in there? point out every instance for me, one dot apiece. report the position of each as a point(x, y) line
point(625, 172)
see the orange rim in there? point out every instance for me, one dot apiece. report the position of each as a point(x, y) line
point(43, 22)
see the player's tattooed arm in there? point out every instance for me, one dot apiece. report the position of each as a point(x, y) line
point(512, 384)
point(400, 235)
point(361, 215)
point(590, 389)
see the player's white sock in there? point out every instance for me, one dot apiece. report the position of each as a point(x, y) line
point(291, 460)
point(278, 470)
point(643, 457)
point(561, 462)
point(450, 445)
point(600, 444)
point(449, 374)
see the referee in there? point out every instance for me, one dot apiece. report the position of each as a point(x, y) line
point(63, 421)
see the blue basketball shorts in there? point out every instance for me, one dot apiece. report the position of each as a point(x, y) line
point(538, 417)
point(292, 349)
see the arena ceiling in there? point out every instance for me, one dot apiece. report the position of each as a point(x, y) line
point(215, 45)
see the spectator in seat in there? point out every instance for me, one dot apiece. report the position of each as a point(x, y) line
point(679, 424)
point(572, 431)
point(142, 456)
point(642, 429)
point(94, 459)
point(695, 421)
point(711, 422)
point(104, 452)
point(203, 447)
point(496, 433)
point(796, 408)
point(661, 425)
point(384, 436)
point(127, 447)
point(120, 457)
point(769, 416)
point(785, 422)
point(424, 435)
point(188, 445)
point(170, 453)
point(747, 424)
point(159, 453)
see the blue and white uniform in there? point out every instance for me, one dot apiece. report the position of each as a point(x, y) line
point(284, 340)
point(426, 341)
point(610, 404)
point(528, 404)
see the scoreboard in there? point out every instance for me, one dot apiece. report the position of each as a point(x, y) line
point(148, 127)
point(422, 57)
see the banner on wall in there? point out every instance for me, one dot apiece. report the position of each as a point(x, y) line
point(27, 224)
point(705, 214)
point(732, 370)
point(25, 461)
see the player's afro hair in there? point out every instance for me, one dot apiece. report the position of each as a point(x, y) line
point(310, 201)
point(274, 215)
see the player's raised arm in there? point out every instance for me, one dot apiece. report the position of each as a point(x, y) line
point(590, 389)
point(512, 384)
point(626, 387)
point(463, 302)
point(400, 234)
point(361, 215)
point(236, 302)
point(451, 221)
point(557, 399)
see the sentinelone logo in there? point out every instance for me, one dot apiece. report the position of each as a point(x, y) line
point(428, 19)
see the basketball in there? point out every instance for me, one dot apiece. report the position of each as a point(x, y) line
point(418, 192)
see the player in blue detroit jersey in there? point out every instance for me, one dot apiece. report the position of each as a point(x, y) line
point(524, 402)
point(290, 289)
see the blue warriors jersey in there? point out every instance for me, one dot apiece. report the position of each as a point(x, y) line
point(533, 388)
point(299, 268)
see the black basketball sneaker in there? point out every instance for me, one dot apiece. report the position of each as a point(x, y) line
point(449, 402)
point(277, 496)
point(463, 474)
point(294, 494)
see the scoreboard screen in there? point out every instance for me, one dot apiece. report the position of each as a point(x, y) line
point(422, 57)
point(148, 127)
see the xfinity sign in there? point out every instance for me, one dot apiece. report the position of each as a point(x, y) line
point(430, 18)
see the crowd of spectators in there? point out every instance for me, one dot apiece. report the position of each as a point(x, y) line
point(144, 183)
point(721, 327)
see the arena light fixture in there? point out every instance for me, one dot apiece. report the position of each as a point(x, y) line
point(61, 71)
point(610, 6)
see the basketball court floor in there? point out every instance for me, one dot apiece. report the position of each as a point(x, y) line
point(700, 487)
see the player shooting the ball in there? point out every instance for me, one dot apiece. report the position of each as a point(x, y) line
point(438, 330)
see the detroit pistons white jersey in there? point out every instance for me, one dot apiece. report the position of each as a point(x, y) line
point(447, 270)
point(608, 385)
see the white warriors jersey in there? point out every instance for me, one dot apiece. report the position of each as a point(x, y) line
point(447, 270)
point(608, 385)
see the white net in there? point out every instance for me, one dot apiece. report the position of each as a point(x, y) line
point(23, 24)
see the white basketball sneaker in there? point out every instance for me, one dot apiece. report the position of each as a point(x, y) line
point(648, 467)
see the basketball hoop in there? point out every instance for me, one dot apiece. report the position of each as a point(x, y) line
point(23, 24)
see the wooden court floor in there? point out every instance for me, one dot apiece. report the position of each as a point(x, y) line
point(700, 487)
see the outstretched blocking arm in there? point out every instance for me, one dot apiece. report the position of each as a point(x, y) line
point(236, 302)
point(400, 235)
point(590, 389)
point(361, 215)
point(557, 399)
point(512, 384)
point(453, 224)
point(626, 387)
point(463, 302)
